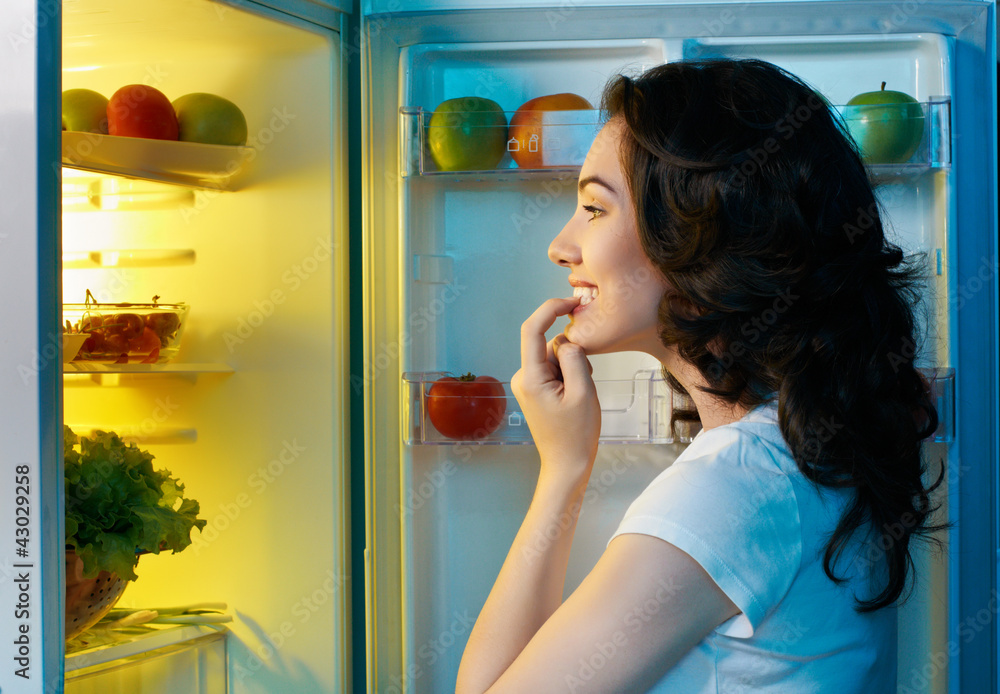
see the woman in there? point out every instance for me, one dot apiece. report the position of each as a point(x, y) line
point(726, 226)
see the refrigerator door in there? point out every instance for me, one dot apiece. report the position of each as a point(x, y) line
point(253, 414)
point(453, 261)
point(32, 537)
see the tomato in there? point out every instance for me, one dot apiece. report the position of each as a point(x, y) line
point(115, 343)
point(466, 408)
point(138, 110)
point(145, 343)
point(128, 325)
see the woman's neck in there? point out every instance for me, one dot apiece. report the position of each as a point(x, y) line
point(712, 410)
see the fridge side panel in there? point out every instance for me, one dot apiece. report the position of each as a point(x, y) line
point(381, 275)
point(31, 532)
point(973, 598)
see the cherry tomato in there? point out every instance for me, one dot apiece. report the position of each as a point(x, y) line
point(145, 343)
point(128, 325)
point(94, 344)
point(116, 344)
point(165, 325)
point(466, 408)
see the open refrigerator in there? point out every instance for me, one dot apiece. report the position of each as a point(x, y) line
point(315, 314)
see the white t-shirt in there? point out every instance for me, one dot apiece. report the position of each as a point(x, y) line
point(736, 502)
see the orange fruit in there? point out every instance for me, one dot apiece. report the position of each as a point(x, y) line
point(527, 129)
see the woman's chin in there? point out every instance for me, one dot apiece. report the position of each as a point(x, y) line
point(589, 343)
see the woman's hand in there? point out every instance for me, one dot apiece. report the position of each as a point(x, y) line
point(557, 395)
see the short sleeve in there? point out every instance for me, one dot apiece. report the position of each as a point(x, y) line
point(727, 503)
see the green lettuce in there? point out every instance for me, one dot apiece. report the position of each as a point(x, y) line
point(118, 506)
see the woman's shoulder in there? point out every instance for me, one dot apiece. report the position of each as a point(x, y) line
point(755, 440)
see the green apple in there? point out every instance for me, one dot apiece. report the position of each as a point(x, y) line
point(210, 119)
point(467, 134)
point(887, 125)
point(85, 111)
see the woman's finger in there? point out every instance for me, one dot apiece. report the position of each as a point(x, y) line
point(574, 365)
point(556, 342)
point(534, 349)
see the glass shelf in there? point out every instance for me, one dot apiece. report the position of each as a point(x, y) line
point(156, 437)
point(632, 411)
point(86, 373)
point(191, 164)
point(128, 258)
point(565, 136)
point(148, 658)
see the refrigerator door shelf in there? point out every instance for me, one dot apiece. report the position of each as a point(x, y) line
point(556, 145)
point(562, 139)
point(186, 163)
point(943, 395)
point(934, 149)
point(632, 411)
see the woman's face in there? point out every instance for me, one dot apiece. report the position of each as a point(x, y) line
point(620, 289)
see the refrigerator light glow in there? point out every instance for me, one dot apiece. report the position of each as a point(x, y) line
point(83, 192)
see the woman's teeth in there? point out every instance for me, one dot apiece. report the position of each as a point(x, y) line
point(586, 294)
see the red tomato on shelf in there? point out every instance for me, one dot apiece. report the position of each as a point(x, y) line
point(145, 343)
point(468, 407)
point(138, 110)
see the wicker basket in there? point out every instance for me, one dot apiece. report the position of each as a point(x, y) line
point(88, 599)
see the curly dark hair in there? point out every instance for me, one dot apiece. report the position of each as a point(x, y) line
point(758, 211)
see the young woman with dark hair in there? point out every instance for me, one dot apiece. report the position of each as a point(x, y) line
point(726, 226)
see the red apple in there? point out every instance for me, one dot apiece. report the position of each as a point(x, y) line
point(138, 110)
point(526, 134)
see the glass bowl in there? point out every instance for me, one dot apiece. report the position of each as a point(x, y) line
point(126, 333)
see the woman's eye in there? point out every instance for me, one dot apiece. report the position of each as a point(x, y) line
point(595, 212)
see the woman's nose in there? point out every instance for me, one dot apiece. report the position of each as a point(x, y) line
point(564, 250)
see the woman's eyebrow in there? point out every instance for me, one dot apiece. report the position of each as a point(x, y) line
point(584, 182)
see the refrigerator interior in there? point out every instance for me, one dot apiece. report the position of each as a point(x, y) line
point(251, 415)
point(469, 251)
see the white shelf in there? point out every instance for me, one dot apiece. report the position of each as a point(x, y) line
point(102, 650)
point(636, 410)
point(191, 164)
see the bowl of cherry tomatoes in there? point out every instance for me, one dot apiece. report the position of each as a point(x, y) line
point(126, 333)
